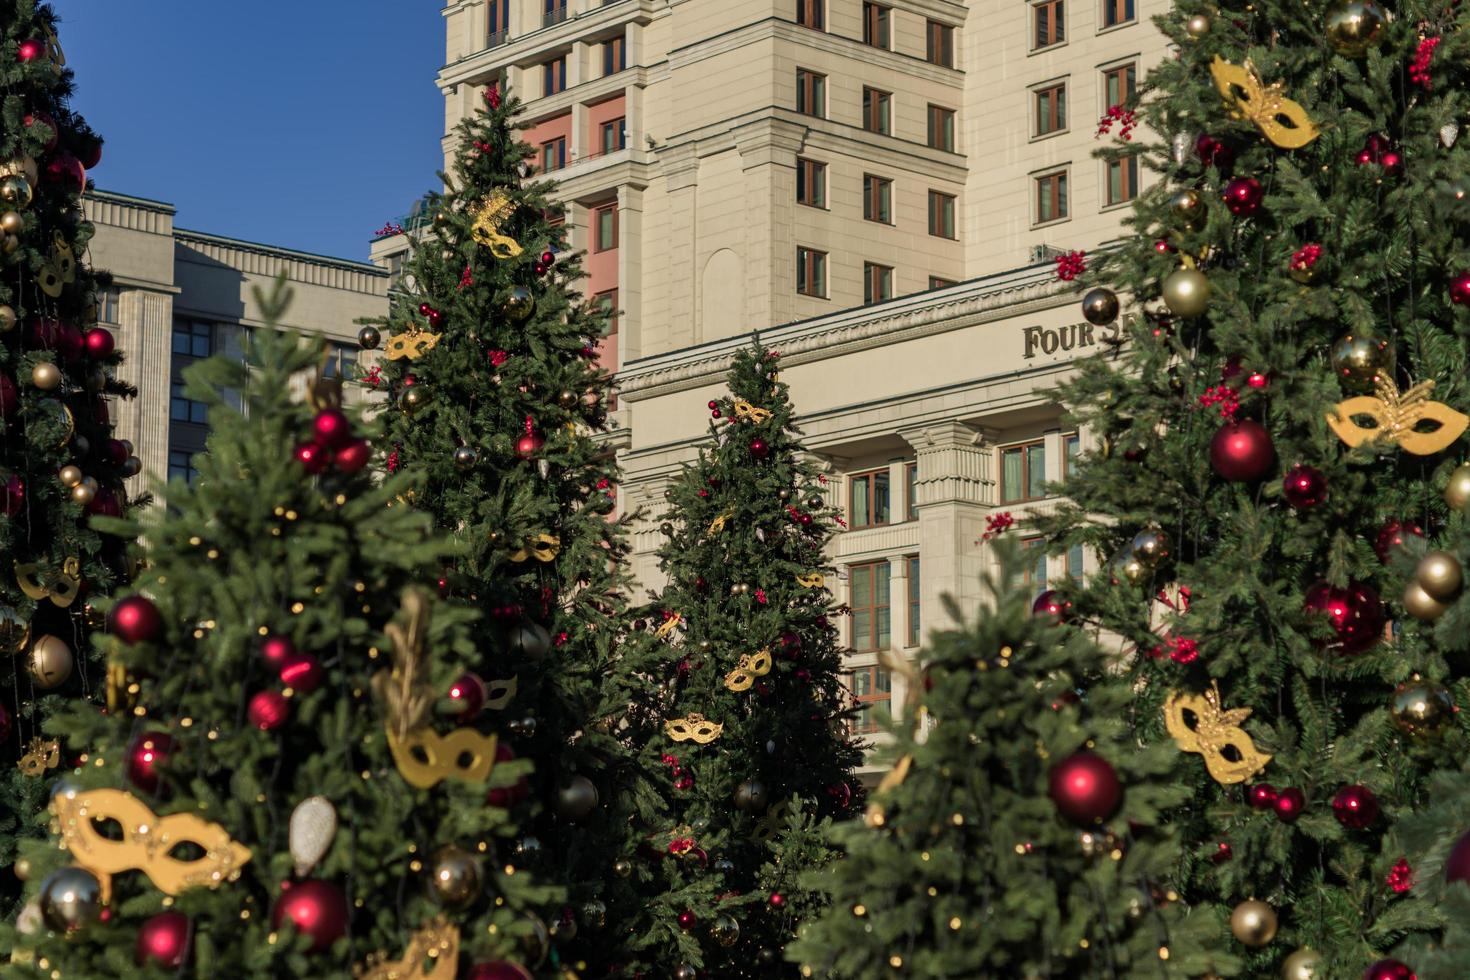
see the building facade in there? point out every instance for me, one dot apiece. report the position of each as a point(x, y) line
point(179, 296)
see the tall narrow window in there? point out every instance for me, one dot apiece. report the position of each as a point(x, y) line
point(107, 304)
point(613, 135)
point(1022, 472)
point(941, 128)
point(554, 154)
point(606, 303)
point(914, 591)
point(872, 688)
point(341, 361)
point(1071, 450)
point(871, 616)
point(497, 25)
point(1048, 16)
point(556, 12)
point(877, 199)
point(192, 341)
point(1051, 197)
point(811, 272)
point(811, 93)
point(181, 466)
point(1051, 109)
point(1075, 563)
point(1117, 12)
point(1034, 574)
point(868, 499)
point(876, 117)
point(911, 491)
point(1119, 84)
point(811, 13)
point(1122, 179)
point(605, 228)
point(875, 25)
point(614, 55)
point(877, 282)
point(940, 47)
point(941, 215)
point(554, 76)
point(811, 183)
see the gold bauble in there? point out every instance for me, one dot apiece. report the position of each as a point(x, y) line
point(1457, 492)
point(8, 319)
point(1100, 306)
point(1421, 708)
point(1126, 568)
point(21, 167)
point(1304, 964)
point(622, 867)
point(1187, 205)
point(519, 305)
point(369, 337)
point(1253, 923)
point(15, 191)
point(454, 877)
point(1358, 361)
point(46, 376)
point(12, 223)
point(1150, 546)
point(84, 491)
point(11, 244)
point(576, 799)
point(1186, 292)
point(1421, 605)
point(567, 398)
point(1197, 26)
point(1354, 26)
point(465, 458)
point(414, 398)
point(22, 868)
point(1440, 575)
point(69, 476)
point(50, 662)
point(725, 930)
point(14, 631)
point(71, 899)
point(535, 942)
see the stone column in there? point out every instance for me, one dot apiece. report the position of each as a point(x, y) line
point(630, 271)
point(681, 172)
point(145, 337)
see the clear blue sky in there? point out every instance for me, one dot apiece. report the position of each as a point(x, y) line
point(304, 124)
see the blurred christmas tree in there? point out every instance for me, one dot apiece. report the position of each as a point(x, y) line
point(755, 744)
point(498, 404)
point(1021, 831)
point(59, 462)
point(1282, 433)
point(278, 789)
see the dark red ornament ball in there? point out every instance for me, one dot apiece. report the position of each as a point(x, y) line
point(1392, 162)
point(1242, 451)
point(44, 118)
point(164, 940)
point(316, 908)
point(99, 343)
point(547, 258)
point(331, 428)
point(759, 448)
point(89, 151)
point(12, 495)
point(269, 710)
point(1243, 196)
point(777, 900)
point(712, 404)
point(499, 970)
point(1392, 535)
point(1214, 153)
point(1052, 605)
point(276, 650)
point(1304, 486)
point(115, 451)
point(67, 170)
point(147, 753)
point(507, 796)
point(353, 457)
point(303, 672)
point(1457, 865)
point(466, 696)
point(1262, 796)
point(1355, 807)
point(1388, 970)
point(1460, 289)
point(105, 503)
point(687, 920)
point(312, 457)
point(135, 619)
point(1356, 614)
point(31, 50)
point(1085, 788)
point(528, 445)
point(1290, 803)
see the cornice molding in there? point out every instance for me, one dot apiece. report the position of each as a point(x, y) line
point(525, 49)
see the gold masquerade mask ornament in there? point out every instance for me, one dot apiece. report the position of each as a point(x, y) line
point(747, 412)
point(1398, 417)
point(498, 693)
point(411, 343)
point(44, 583)
point(1285, 123)
point(751, 666)
point(432, 954)
point(489, 220)
point(693, 728)
point(670, 624)
point(146, 842)
point(59, 268)
point(543, 547)
point(718, 524)
point(1230, 755)
point(813, 581)
point(775, 821)
point(425, 758)
point(40, 756)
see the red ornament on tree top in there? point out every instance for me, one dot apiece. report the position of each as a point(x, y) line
point(1085, 788)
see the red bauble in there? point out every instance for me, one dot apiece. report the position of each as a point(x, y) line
point(313, 458)
point(31, 50)
point(1213, 152)
point(777, 900)
point(547, 258)
point(164, 940)
point(1262, 796)
point(1053, 605)
point(687, 920)
point(1356, 613)
point(1460, 289)
point(1304, 486)
point(105, 503)
point(9, 397)
point(277, 650)
point(48, 333)
point(135, 620)
point(89, 151)
point(1392, 535)
point(1243, 196)
point(759, 448)
point(1388, 970)
point(529, 445)
point(269, 710)
point(499, 970)
point(316, 908)
point(1290, 803)
point(354, 456)
point(99, 343)
point(1363, 158)
point(146, 753)
point(331, 428)
point(507, 796)
point(303, 673)
point(466, 696)
point(115, 452)
point(1355, 807)
point(1392, 162)
point(1085, 788)
point(1242, 451)
point(1457, 865)
point(44, 119)
point(67, 170)
point(12, 495)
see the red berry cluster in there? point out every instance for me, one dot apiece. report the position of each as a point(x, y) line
point(492, 95)
point(1419, 69)
point(1400, 877)
point(498, 357)
point(1118, 114)
point(1378, 150)
point(466, 278)
point(997, 524)
point(1224, 396)
point(1305, 257)
point(374, 375)
point(1183, 650)
point(1071, 265)
point(333, 444)
point(434, 317)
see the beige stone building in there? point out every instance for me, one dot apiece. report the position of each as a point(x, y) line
point(179, 296)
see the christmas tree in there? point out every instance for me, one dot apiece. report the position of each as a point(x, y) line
point(1021, 831)
point(59, 462)
point(280, 789)
point(497, 403)
point(1281, 451)
point(754, 741)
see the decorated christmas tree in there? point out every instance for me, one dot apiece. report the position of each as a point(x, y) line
point(1279, 485)
point(496, 402)
point(281, 788)
point(1021, 831)
point(754, 740)
point(59, 462)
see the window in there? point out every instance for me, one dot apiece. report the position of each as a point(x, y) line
point(1022, 472)
point(612, 135)
point(911, 491)
point(556, 12)
point(811, 13)
point(1119, 84)
point(107, 304)
point(941, 128)
point(811, 272)
point(1050, 23)
point(811, 183)
point(871, 687)
point(1034, 573)
point(192, 341)
point(1051, 109)
point(341, 361)
point(1074, 563)
point(875, 25)
point(497, 25)
point(606, 304)
point(941, 215)
point(877, 199)
point(914, 634)
point(1117, 12)
point(1071, 449)
point(871, 624)
point(877, 282)
point(554, 154)
point(1051, 197)
point(554, 75)
point(875, 110)
point(940, 47)
point(605, 228)
point(867, 499)
point(181, 466)
point(1122, 179)
point(614, 55)
point(938, 282)
point(811, 93)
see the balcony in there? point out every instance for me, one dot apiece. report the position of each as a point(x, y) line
point(496, 38)
point(555, 15)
